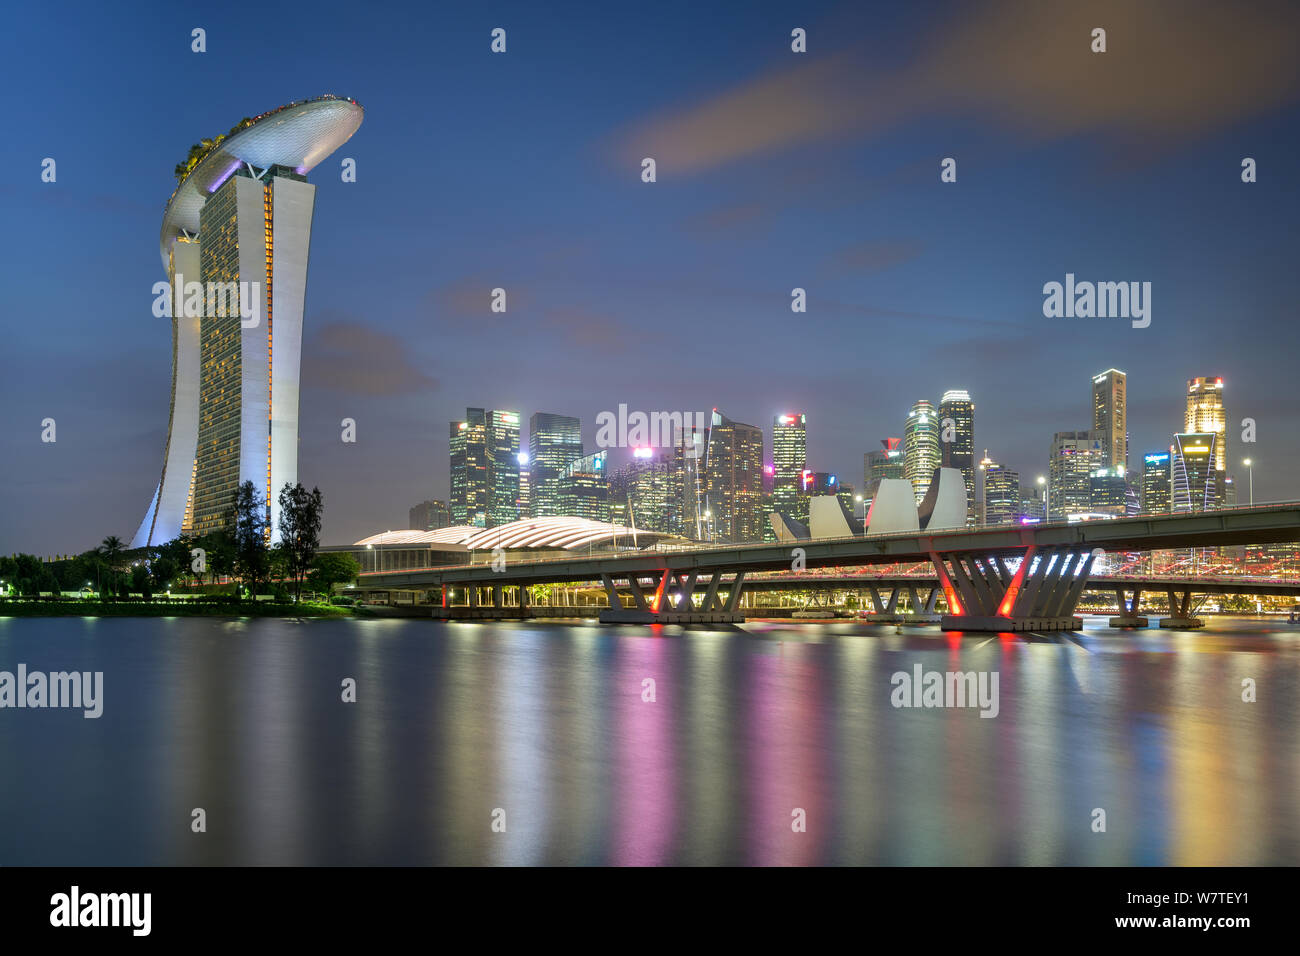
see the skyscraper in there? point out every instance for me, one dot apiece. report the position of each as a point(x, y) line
point(1074, 457)
point(957, 441)
point(1157, 483)
point(430, 515)
point(789, 461)
point(687, 476)
point(1110, 416)
point(584, 488)
point(1193, 485)
point(554, 441)
point(236, 236)
point(1108, 492)
point(503, 466)
point(1001, 493)
point(883, 462)
point(920, 447)
point(470, 494)
point(649, 489)
point(734, 480)
point(1206, 413)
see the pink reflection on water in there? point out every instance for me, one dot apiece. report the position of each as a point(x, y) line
point(645, 816)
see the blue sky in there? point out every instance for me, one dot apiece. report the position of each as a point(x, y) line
point(775, 170)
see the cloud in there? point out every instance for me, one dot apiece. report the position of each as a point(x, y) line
point(875, 255)
point(357, 359)
point(1173, 70)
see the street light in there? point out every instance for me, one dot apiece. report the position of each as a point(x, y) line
point(708, 524)
point(1047, 499)
point(1251, 471)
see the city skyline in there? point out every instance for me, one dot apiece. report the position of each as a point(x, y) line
point(914, 286)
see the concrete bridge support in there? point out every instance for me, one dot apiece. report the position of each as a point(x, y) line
point(1180, 612)
point(660, 604)
point(983, 594)
point(1128, 610)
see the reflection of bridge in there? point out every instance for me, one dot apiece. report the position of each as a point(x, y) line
point(1000, 579)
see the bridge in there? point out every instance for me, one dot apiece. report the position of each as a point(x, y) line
point(1006, 578)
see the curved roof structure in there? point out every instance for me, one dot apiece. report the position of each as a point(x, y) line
point(299, 135)
point(549, 532)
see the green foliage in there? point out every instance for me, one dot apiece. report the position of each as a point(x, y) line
point(300, 521)
point(252, 562)
point(331, 568)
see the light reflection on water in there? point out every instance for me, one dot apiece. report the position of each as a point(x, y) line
point(542, 727)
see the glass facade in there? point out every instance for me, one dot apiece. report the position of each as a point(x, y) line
point(1110, 416)
point(958, 443)
point(1074, 457)
point(734, 481)
point(921, 447)
point(554, 442)
point(789, 461)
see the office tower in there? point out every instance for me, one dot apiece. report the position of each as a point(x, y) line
point(957, 441)
point(503, 467)
point(1194, 474)
point(884, 462)
point(819, 483)
point(920, 447)
point(789, 460)
point(1157, 487)
point(1031, 504)
point(1110, 416)
point(554, 441)
point(236, 236)
point(1206, 414)
point(733, 470)
point(687, 502)
point(524, 505)
point(648, 489)
point(470, 488)
point(1108, 491)
point(1001, 493)
point(1074, 457)
point(430, 515)
point(584, 488)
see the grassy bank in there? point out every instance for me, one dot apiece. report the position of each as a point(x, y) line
point(79, 608)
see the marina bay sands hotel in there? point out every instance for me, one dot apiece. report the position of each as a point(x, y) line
point(239, 225)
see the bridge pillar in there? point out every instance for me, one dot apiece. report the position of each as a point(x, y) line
point(657, 608)
point(1180, 612)
point(1128, 611)
point(983, 595)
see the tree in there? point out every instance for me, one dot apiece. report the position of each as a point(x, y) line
point(300, 519)
point(111, 550)
point(250, 537)
point(331, 568)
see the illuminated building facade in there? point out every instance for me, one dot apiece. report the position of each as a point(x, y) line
point(235, 241)
point(1001, 493)
point(789, 461)
point(1157, 482)
point(1108, 492)
point(920, 447)
point(554, 442)
point(1074, 457)
point(470, 490)
point(1206, 414)
point(957, 441)
point(1195, 478)
point(584, 488)
point(503, 467)
point(733, 471)
point(1110, 416)
point(883, 462)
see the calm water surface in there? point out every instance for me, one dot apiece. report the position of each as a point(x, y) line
point(546, 722)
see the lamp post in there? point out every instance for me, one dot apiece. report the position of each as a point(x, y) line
point(1047, 499)
point(858, 499)
point(1250, 470)
point(708, 525)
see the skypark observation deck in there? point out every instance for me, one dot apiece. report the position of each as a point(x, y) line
point(981, 590)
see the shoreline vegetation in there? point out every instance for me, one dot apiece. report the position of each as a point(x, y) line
point(178, 607)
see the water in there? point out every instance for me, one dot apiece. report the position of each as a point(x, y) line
point(546, 722)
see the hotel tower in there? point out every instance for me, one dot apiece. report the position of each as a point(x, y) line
point(235, 240)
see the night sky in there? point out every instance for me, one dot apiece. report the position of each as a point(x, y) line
point(775, 170)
